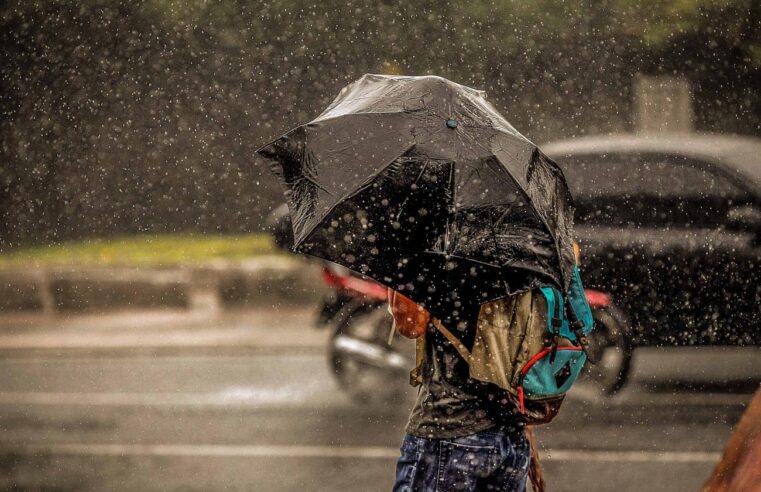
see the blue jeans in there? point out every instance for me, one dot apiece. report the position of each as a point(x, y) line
point(490, 460)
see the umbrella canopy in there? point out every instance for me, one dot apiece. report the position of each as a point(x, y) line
point(420, 184)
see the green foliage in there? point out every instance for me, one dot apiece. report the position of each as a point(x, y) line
point(153, 250)
point(732, 22)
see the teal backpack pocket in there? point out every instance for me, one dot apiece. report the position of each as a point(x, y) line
point(550, 373)
point(545, 375)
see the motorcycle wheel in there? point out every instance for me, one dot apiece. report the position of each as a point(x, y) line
point(610, 346)
point(367, 383)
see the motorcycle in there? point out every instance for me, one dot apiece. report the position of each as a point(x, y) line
point(371, 362)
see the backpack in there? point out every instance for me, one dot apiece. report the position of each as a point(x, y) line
point(532, 345)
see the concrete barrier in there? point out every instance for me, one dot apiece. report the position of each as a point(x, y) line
point(261, 281)
point(115, 289)
point(271, 281)
point(21, 292)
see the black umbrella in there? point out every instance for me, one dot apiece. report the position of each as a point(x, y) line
point(420, 184)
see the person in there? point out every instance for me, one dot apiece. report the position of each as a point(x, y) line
point(462, 433)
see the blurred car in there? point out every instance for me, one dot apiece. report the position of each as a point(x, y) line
point(671, 227)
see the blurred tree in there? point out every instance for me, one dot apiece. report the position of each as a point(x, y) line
point(716, 44)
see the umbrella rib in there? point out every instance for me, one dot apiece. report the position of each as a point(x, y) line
point(492, 228)
point(314, 182)
point(454, 205)
point(494, 234)
point(479, 262)
point(462, 258)
point(420, 175)
point(321, 119)
point(474, 141)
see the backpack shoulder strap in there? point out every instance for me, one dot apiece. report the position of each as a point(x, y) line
point(416, 375)
point(464, 352)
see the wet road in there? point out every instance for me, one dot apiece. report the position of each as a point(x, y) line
point(273, 419)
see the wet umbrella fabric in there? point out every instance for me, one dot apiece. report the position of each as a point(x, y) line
point(420, 184)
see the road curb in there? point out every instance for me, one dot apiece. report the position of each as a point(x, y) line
point(258, 282)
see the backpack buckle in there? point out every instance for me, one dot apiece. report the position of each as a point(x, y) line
point(416, 377)
point(583, 342)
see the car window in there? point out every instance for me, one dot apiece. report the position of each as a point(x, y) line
point(649, 190)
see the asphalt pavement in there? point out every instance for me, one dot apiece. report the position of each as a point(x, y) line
point(245, 401)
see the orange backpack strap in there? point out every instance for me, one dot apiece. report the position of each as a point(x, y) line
point(461, 348)
point(416, 374)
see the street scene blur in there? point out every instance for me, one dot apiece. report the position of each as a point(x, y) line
point(274, 246)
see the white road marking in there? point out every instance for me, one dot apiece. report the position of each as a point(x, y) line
point(341, 452)
point(631, 397)
point(630, 456)
point(268, 396)
point(237, 396)
point(234, 335)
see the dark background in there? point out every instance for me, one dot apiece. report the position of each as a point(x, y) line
point(131, 117)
